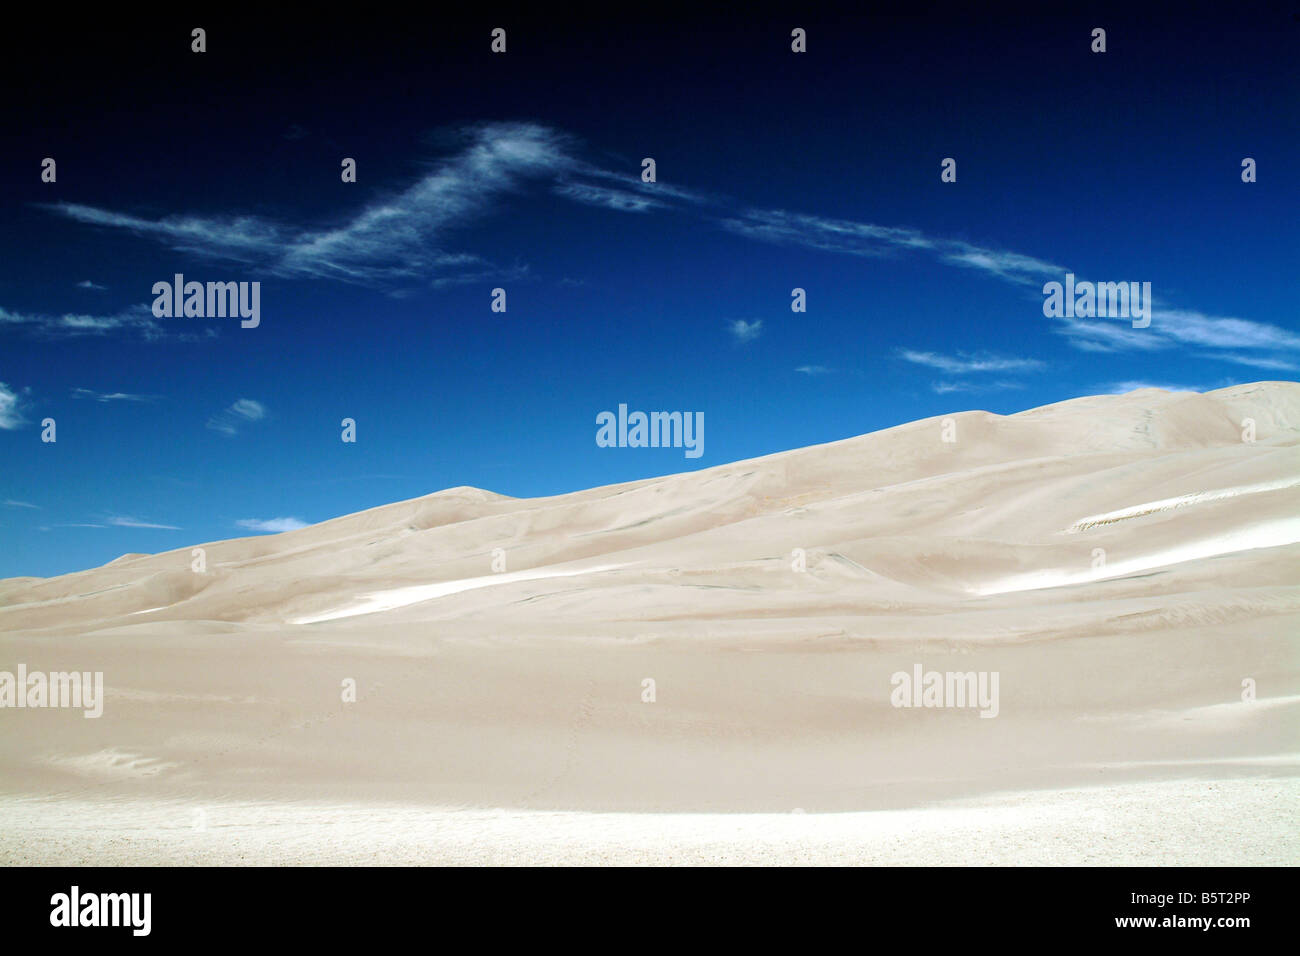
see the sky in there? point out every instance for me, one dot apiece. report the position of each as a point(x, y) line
point(523, 171)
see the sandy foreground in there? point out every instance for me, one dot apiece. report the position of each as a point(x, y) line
point(701, 668)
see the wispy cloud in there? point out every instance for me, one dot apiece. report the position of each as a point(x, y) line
point(1197, 328)
point(11, 415)
point(962, 363)
point(241, 238)
point(1103, 335)
point(137, 319)
point(817, 232)
point(122, 521)
point(87, 284)
point(20, 504)
point(944, 388)
point(1276, 364)
point(1225, 338)
point(496, 273)
point(108, 396)
point(869, 239)
point(404, 238)
point(744, 331)
point(271, 525)
point(228, 421)
point(813, 370)
point(398, 237)
point(1011, 266)
point(620, 200)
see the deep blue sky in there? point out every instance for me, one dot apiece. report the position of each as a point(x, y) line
point(775, 170)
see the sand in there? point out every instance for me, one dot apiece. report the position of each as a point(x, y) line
point(1127, 565)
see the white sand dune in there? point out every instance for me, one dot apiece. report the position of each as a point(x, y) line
point(419, 593)
point(1269, 534)
point(668, 667)
point(1182, 501)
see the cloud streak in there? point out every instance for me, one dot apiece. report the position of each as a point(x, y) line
point(230, 420)
point(870, 240)
point(392, 239)
point(128, 522)
point(963, 364)
point(137, 319)
point(404, 238)
point(944, 388)
point(108, 396)
point(1225, 338)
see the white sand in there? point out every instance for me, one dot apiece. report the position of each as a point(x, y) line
point(1148, 705)
point(1269, 534)
point(1181, 501)
point(1105, 826)
point(418, 594)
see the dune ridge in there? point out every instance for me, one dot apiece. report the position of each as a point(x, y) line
point(1127, 564)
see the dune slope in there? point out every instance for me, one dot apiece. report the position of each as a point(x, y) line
point(1128, 566)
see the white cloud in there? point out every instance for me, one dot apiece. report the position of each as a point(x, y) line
point(108, 396)
point(21, 504)
point(398, 237)
point(136, 319)
point(1277, 364)
point(11, 415)
point(402, 238)
point(87, 284)
point(868, 239)
point(813, 369)
point(233, 238)
point(817, 232)
point(1104, 335)
point(1240, 341)
point(944, 388)
point(230, 420)
point(620, 200)
point(1011, 266)
point(1197, 328)
point(271, 525)
point(962, 363)
point(126, 522)
point(746, 331)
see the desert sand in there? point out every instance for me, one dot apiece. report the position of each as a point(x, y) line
point(1127, 565)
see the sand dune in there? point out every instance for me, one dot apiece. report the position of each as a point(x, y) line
point(419, 593)
point(1127, 565)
